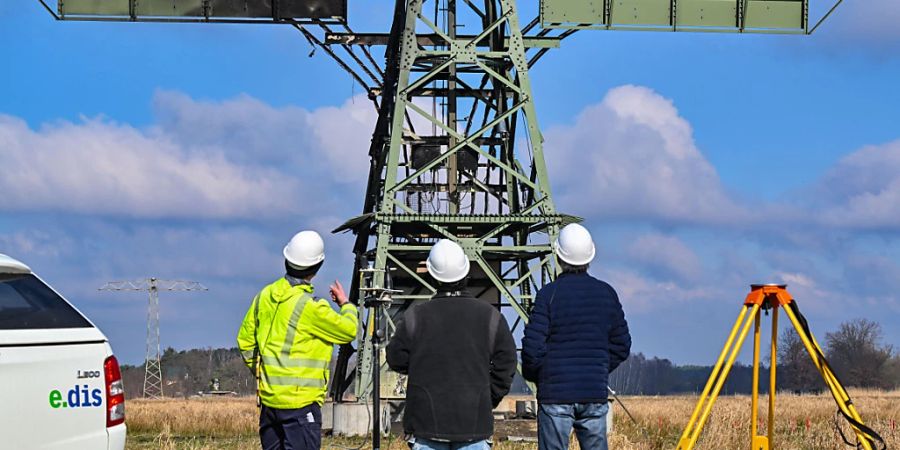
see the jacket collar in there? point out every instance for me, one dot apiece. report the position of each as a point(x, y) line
point(294, 281)
point(572, 274)
point(282, 290)
point(444, 293)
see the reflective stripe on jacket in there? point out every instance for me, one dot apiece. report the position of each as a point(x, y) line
point(293, 335)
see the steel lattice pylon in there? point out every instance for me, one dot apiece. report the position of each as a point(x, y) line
point(448, 161)
point(153, 386)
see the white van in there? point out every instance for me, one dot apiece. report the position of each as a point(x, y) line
point(60, 384)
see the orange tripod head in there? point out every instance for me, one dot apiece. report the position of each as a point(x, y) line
point(768, 296)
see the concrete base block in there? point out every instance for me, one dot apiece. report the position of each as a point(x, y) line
point(328, 416)
point(351, 419)
point(355, 419)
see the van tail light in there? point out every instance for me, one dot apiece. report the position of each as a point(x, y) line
point(115, 392)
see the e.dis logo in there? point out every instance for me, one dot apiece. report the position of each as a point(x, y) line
point(78, 397)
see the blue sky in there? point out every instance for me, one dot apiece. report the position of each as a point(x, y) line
point(701, 162)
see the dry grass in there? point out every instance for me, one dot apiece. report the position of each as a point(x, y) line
point(802, 423)
point(217, 418)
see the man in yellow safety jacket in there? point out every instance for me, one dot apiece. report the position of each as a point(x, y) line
point(287, 339)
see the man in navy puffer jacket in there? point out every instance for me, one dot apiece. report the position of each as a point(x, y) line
point(577, 335)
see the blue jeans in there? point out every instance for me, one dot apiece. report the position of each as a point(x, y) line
point(428, 444)
point(555, 423)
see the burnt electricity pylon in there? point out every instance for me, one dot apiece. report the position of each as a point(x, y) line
point(152, 368)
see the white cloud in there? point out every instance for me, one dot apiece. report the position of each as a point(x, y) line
point(332, 138)
point(666, 257)
point(633, 156)
point(33, 242)
point(99, 167)
point(345, 134)
point(640, 294)
point(798, 280)
point(862, 190)
point(239, 158)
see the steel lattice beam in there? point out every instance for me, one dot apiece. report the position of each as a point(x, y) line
point(480, 179)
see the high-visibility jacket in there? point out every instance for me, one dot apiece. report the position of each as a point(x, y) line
point(291, 335)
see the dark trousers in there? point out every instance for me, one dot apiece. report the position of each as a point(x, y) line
point(291, 429)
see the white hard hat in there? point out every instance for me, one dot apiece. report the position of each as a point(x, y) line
point(305, 249)
point(574, 245)
point(447, 262)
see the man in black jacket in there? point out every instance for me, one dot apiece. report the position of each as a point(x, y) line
point(460, 357)
point(576, 336)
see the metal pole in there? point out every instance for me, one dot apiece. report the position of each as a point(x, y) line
point(376, 379)
point(379, 302)
point(453, 161)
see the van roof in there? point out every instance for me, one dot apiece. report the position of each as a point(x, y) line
point(10, 265)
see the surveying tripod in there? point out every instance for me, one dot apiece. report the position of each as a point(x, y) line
point(771, 297)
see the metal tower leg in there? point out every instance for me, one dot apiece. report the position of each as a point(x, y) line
point(152, 367)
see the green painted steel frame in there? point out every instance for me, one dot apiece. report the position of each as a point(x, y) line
point(717, 16)
point(225, 11)
point(510, 247)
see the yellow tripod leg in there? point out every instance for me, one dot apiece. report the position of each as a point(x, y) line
point(832, 379)
point(685, 436)
point(773, 366)
point(692, 433)
point(756, 442)
point(846, 404)
point(837, 391)
point(754, 394)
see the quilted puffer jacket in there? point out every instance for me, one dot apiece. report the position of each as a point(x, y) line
point(576, 336)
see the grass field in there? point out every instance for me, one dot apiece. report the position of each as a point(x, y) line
point(802, 423)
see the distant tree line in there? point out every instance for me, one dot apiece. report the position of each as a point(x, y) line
point(856, 352)
point(640, 375)
point(188, 372)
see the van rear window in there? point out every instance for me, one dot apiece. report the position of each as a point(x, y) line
point(26, 303)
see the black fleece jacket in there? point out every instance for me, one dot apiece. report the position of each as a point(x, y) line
point(460, 357)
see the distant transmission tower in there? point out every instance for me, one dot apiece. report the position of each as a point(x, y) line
point(152, 368)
